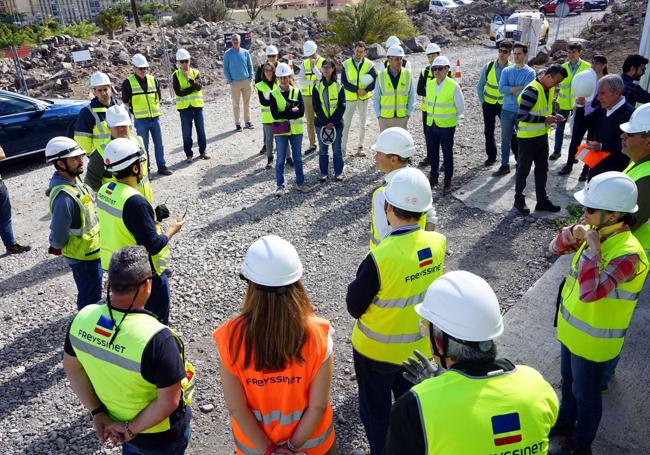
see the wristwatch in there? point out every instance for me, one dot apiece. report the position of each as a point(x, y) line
point(128, 431)
point(97, 410)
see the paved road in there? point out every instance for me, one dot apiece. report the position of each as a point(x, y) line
point(571, 26)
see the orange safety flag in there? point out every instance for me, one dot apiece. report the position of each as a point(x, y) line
point(590, 157)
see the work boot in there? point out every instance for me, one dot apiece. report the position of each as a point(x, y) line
point(566, 170)
point(433, 180)
point(489, 162)
point(269, 163)
point(520, 206)
point(570, 449)
point(311, 149)
point(17, 248)
point(447, 187)
point(205, 156)
point(561, 430)
point(547, 206)
point(503, 170)
point(583, 175)
point(263, 150)
point(554, 156)
point(164, 171)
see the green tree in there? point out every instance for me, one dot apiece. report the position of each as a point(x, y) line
point(371, 21)
point(110, 20)
point(81, 29)
point(210, 10)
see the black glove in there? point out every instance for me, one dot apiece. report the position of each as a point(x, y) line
point(162, 212)
point(420, 369)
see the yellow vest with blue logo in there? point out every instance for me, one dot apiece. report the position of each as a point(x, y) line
point(295, 123)
point(565, 98)
point(637, 172)
point(332, 95)
point(507, 413)
point(491, 93)
point(263, 87)
point(354, 77)
point(596, 330)
point(542, 107)
point(406, 264)
point(393, 101)
point(194, 99)
point(114, 370)
point(83, 242)
point(310, 77)
point(441, 108)
point(114, 233)
point(144, 104)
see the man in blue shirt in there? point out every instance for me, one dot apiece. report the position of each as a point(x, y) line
point(238, 71)
point(513, 80)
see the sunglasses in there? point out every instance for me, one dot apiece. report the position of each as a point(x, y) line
point(184, 61)
point(269, 70)
point(438, 68)
point(504, 51)
point(589, 210)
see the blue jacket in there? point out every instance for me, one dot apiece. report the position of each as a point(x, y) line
point(237, 65)
point(512, 77)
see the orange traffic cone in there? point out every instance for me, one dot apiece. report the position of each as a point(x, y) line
point(458, 74)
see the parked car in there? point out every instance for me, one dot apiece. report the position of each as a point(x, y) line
point(509, 29)
point(27, 124)
point(441, 5)
point(464, 2)
point(498, 21)
point(575, 6)
point(590, 5)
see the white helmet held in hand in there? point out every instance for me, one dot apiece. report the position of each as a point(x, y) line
point(139, 61)
point(121, 153)
point(272, 50)
point(395, 141)
point(441, 61)
point(61, 147)
point(309, 48)
point(409, 190)
point(393, 41)
point(182, 54)
point(98, 79)
point(117, 115)
point(432, 48)
point(365, 80)
point(283, 69)
point(464, 306)
point(583, 84)
point(395, 51)
point(272, 261)
point(613, 191)
point(640, 120)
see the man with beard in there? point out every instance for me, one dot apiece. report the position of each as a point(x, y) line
point(633, 70)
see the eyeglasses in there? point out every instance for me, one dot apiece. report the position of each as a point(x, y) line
point(326, 67)
point(504, 51)
point(183, 61)
point(589, 210)
point(438, 68)
point(268, 70)
point(644, 134)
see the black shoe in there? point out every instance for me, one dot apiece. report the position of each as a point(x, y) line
point(570, 449)
point(566, 170)
point(547, 206)
point(164, 171)
point(238, 128)
point(561, 430)
point(17, 248)
point(263, 150)
point(489, 162)
point(249, 126)
point(433, 180)
point(312, 148)
point(269, 163)
point(554, 156)
point(423, 163)
point(289, 161)
point(521, 207)
point(583, 176)
point(575, 161)
point(503, 170)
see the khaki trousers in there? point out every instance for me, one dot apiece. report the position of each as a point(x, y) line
point(350, 108)
point(243, 89)
point(309, 117)
point(395, 121)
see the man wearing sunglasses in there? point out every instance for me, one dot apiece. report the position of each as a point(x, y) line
point(127, 369)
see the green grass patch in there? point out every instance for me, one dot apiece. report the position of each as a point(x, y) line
point(575, 212)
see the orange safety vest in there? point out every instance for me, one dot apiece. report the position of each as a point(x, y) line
point(278, 399)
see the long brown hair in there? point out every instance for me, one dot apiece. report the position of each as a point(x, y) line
point(272, 327)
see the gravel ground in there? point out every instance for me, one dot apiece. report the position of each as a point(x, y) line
point(231, 203)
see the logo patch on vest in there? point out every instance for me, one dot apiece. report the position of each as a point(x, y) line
point(425, 257)
point(506, 429)
point(104, 326)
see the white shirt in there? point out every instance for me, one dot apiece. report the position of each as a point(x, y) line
point(620, 103)
point(459, 100)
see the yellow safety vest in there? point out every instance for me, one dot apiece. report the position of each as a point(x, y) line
point(441, 108)
point(507, 413)
point(355, 76)
point(90, 334)
point(144, 104)
point(542, 107)
point(100, 135)
point(144, 185)
point(393, 101)
point(296, 123)
point(565, 98)
point(596, 330)
point(83, 242)
point(332, 95)
point(637, 172)
point(194, 99)
point(114, 233)
point(491, 93)
point(263, 87)
point(310, 77)
point(407, 264)
point(428, 75)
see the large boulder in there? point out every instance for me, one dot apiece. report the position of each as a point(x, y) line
point(418, 43)
point(541, 58)
point(559, 45)
point(376, 51)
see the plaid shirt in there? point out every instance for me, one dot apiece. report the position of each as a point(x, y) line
point(634, 93)
point(595, 285)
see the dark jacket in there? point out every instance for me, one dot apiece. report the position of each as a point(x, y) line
point(319, 110)
point(287, 113)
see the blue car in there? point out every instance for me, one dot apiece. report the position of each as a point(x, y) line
point(27, 124)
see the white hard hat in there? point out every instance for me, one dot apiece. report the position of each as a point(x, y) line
point(393, 41)
point(584, 84)
point(366, 80)
point(409, 190)
point(640, 120)
point(441, 61)
point(464, 306)
point(61, 147)
point(117, 115)
point(121, 153)
point(182, 54)
point(613, 191)
point(395, 51)
point(309, 48)
point(272, 50)
point(395, 141)
point(431, 48)
point(283, 69)
point(140, 61)
point(98, 79)
point(272, 261)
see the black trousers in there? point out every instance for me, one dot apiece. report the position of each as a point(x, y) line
point(490, 114)
point(532, 151)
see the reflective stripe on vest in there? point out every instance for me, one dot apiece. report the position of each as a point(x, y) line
point(428, 75)
point(393, 101)
point(565, 99)
point(542, 108)
point(101, 132)
point(332, 97)
point(441, 108)
point(310, 77)
point(194, 99)
point(491, 93)
point(309, 444)
point(264, 88)
point(637, 172)
point(295, 124)
point(144, 104)
point(354, 77)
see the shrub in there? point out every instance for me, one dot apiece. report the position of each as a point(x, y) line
point(82, 30)
point(210, 10)
point(110, 20)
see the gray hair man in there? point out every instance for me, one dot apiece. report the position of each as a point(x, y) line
point(238, 71)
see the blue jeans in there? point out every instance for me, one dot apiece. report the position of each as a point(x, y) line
point(281, 145)
point(171, 448)
point(189, 115)
point(144, 126)
point(88, 278)
point(337, 155)
point(582, 404)
point(441, 137)
point(158, 302)
point(6, 231)
point(559, 132)
point(508, 135)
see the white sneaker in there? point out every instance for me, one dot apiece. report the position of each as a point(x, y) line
point(339, 178)
point(280, 191)
point(322, 178)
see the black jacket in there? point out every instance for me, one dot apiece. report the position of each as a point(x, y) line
point(321, 118)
